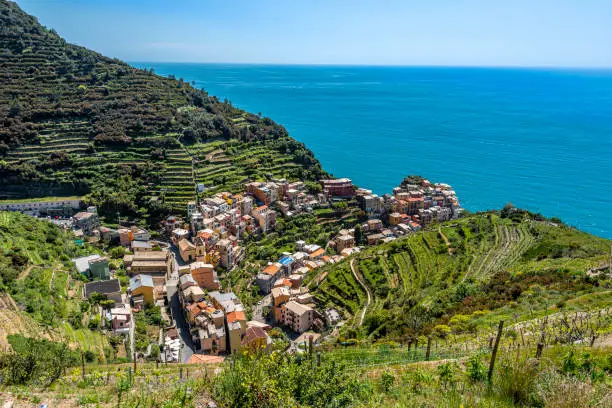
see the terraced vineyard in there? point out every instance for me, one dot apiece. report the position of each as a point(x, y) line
point(227, 165)
point(78, 123)
point(431, 272)
point(61, 136)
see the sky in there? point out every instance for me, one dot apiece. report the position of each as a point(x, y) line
point(549, 33)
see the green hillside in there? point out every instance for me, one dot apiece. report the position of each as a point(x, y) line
point(40, 292)
point(468, 273)
point(77, 123)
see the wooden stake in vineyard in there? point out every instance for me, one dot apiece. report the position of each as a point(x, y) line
point(494, 352)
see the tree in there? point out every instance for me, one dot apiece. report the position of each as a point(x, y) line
point(340, 207)
point(107, 304)
point(96, 298)
point(358, 234)
point(313, 187)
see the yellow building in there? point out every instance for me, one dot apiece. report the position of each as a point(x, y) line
point(141, 289)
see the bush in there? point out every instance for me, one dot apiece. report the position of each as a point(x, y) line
point(446, 374)
point(476, 370)
point(419, 380)
point(94, 323)
point(386, 381)
point(516, 379)
point(441, 331)
point(280, 380)
point(35, 362)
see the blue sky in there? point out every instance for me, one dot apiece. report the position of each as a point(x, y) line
point(373, 32)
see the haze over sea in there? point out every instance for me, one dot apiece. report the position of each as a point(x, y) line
point(538, 138)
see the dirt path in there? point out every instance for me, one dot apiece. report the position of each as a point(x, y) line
point(25, 273)
point(365, 308)
point(446, 241)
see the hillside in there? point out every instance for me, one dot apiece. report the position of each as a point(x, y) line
point(76, 122)
point(467, 274)
point(40, 293)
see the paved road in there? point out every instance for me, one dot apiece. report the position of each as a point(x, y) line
point(179, 320)
point(258, 309)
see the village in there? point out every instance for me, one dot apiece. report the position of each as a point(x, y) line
point(178, 273)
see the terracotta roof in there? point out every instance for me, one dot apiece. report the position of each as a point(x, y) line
point(317, 253)
point(271, 269)
point(253, 333)
point(194, 309)
point(235, 316)
point(204, 359)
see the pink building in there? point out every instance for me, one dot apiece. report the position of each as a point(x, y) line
point(342, 187)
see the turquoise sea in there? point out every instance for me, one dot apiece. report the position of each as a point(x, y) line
point(538, 138)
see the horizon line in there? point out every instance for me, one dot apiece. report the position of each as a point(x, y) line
point(553, 67)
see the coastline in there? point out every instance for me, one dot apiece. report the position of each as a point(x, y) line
point(494, 150)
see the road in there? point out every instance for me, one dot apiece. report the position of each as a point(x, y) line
point(182, 327)
point(365, 308)
point(258, 309)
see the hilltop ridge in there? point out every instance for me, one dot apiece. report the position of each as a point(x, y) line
point(76, 122)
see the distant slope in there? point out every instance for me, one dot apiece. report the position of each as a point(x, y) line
point(76, 122)
point(478, 266)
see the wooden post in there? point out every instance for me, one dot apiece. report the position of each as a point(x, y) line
point(318, 359)
point(310, 347)
point(180, 373)
point(539, 350)
point(82, 365)
point(428, 348)
point(134, 360)
point(495, 347)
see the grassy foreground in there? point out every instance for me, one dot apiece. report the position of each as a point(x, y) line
point(565, 376)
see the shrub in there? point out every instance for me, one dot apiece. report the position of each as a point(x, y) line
point(476, 370)
point(280, 380)
point(386, 381)
point(441, 331)
point(516, 379)
point(36, 362)
point(419, 380)
point(446, 374)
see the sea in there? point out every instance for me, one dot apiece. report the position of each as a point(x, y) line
point(540, 139)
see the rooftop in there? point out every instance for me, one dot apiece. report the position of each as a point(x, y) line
point(103, 287)
point(141, 281)
point(297, 308)
point(82, 264)
point(271, 269)
point(236, 316)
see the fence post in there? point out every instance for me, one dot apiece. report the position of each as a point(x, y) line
point(310, 347)
point(318, 359)
point(82, 365)
point(134, 363)
point(495, 347)
point(428, 348)
point(180, 373)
